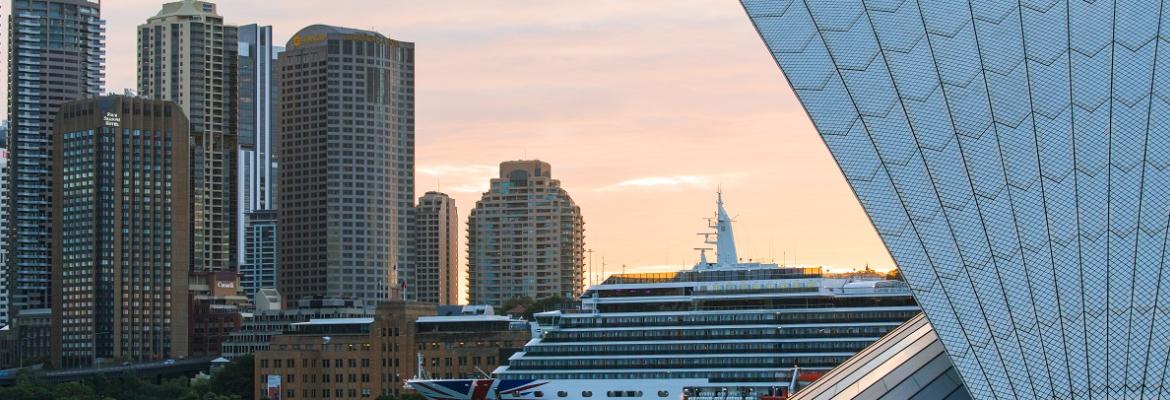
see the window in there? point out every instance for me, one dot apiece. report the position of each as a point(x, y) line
point(539, 395)
point(587, 393)
point(663, 393)
point(562, 393)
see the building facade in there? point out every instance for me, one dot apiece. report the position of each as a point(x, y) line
point(436, 250)
point(344, 114)
point(525, 237)
point(186, 54)
point(56, 53)
point(369, 357)
point(362, 358)
point(120, 201)
point(257, 131)
point(217, 309)
point(467, 346)
point(1012, 157)
point(259, 327)
point(259, 265)
point(4, 197)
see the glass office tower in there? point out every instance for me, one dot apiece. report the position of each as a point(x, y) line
point(1015, 159)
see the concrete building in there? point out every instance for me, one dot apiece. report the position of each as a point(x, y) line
point(217, 309)
point(349, 358)
point(121, 203)
point(259, 265)
point(347, 150)
point(468, 345)
point(357, 358)
point(1013, 158)
point(436, 250)
point(4, 266)
point(269, 319)
point(186, 54)
point(525, 237)
point(258, 134)
point(56, 53)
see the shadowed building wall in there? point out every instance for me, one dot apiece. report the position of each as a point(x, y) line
point(121, 203)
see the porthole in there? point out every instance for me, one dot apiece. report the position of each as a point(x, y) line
point(562, 394)
point(587, 394)
point(663, 393)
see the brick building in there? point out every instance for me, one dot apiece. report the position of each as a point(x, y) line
point(355, 358)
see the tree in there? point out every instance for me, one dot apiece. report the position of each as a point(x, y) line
point(235, 379)
point(523, 302)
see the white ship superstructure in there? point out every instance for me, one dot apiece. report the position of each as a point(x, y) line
point(727, 329)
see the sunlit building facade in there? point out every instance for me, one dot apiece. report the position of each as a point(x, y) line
point(345, 98)
point(436, 250)
point(186, 54)
point(1013, 157)
point(525, 238)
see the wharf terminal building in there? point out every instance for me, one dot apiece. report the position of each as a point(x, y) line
point(1015, 159)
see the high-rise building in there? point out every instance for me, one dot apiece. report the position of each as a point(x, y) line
point(257, 131)
point(259, 265)
point(186, 54)
point(1013, 158)
point(122, 181)
point(346, 100)
point(56, 53)
point(525, 238)
point(4, 133)
point(4, 194)
point(436, 250)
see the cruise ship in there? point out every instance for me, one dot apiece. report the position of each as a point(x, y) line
point(721, 330)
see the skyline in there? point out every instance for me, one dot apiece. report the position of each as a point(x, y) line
point(608, 96)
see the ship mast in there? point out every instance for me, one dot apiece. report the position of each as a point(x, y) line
point(724, 238)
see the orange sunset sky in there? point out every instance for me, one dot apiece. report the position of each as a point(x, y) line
point(643, 108)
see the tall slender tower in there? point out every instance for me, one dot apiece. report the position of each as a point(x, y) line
point(186, 54)
point(256, 177)
point(346, 146)
point(121, 203)
point(56, 53)
point(525, 237)
point(5, 193)
point(436, 250)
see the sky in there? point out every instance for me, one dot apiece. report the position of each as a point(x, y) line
point(644, 109)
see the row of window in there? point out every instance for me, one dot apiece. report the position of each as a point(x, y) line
point(659, 363)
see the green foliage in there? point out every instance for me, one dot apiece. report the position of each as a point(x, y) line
point(532, 307)
point(235, 379)
point(234, 382)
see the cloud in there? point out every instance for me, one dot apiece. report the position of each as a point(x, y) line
point(675, 182)
point(661, 182)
